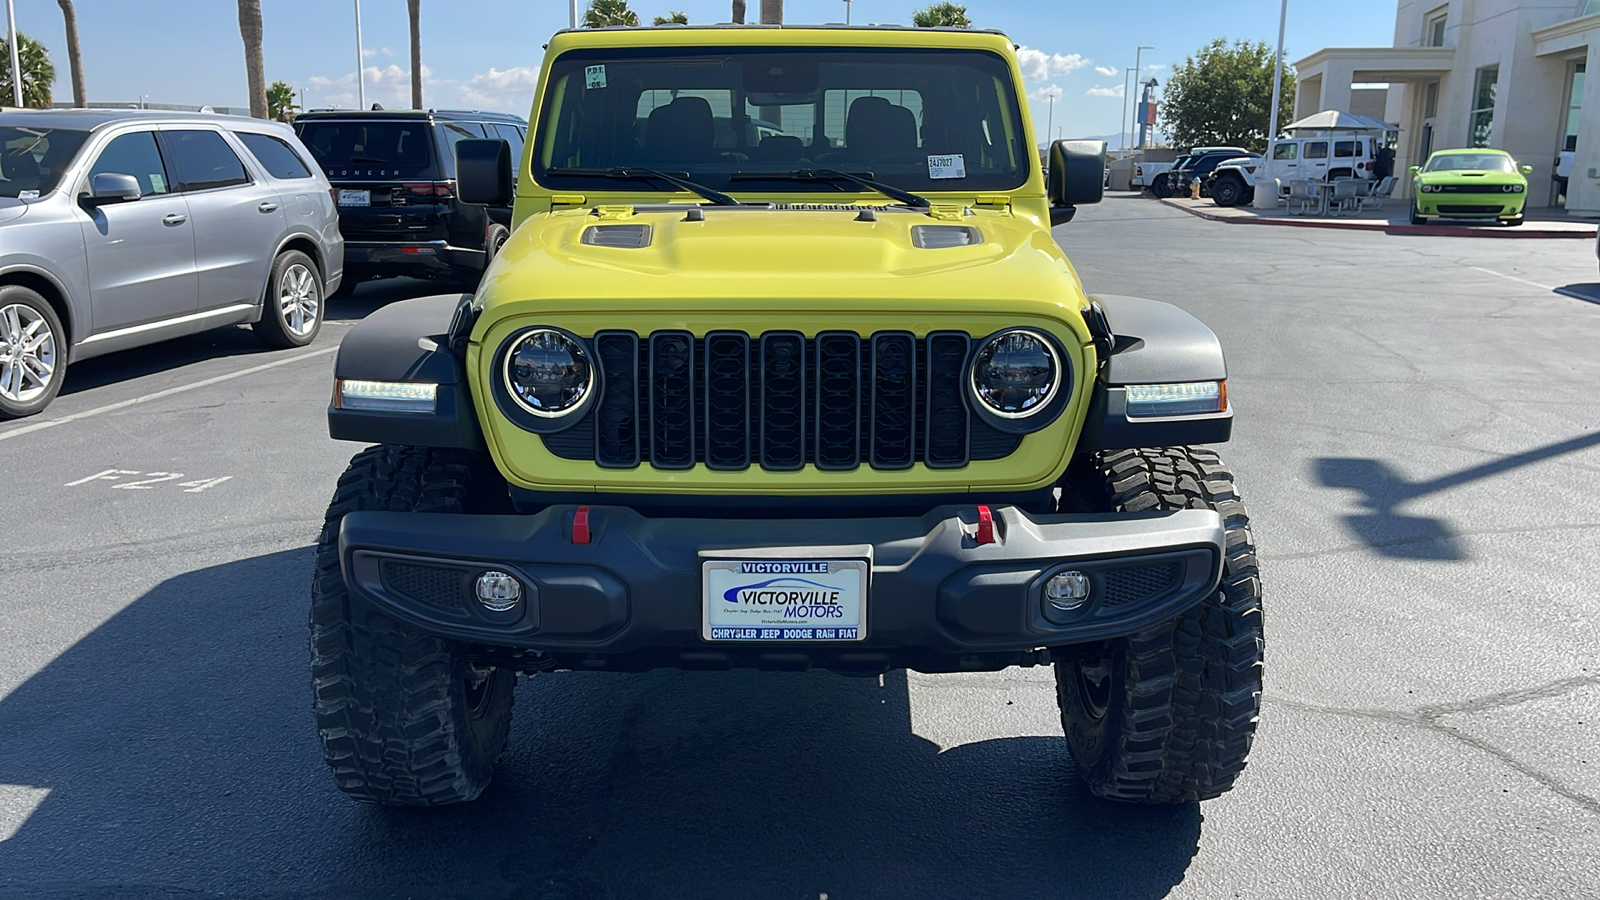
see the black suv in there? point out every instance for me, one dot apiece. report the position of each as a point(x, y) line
point(1199, 168)
point(394, 175)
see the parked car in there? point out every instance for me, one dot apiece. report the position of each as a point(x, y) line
point(395, 173)
point(1198, 168)
point(1146, 173)
point(1472, 184)
point(1161, 183)
point(1321, 158)
point(125, 227)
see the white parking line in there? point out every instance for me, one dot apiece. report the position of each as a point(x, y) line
point(158, 395)
point(1542, 287)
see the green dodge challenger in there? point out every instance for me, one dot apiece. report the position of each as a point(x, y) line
point(1469, 184)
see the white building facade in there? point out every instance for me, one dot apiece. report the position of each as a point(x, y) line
point(1509, 74)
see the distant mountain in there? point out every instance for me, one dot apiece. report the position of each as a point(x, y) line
point(1113, 141)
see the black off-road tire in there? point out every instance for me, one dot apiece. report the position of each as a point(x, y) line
point(493, 240)
point(1227, 190)
point(405, 719)
point(1168, 715)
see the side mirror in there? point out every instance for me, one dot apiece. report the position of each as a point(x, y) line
point(111, 187)
point(1077, 177)
point(1527, 170)
point(1414, 169)
point(483, 172)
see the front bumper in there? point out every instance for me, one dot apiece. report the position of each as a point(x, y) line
point(410, 257)
point(1497, 204)
point(631, 598)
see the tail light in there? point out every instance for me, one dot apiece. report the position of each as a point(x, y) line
point(1138, 170)
point(430, 188)
point(333, 194)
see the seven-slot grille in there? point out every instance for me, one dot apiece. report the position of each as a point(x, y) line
point(781, 401)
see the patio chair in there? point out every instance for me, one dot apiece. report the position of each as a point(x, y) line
point(1379, 193)
point(1346, 198)
point(1301, 199)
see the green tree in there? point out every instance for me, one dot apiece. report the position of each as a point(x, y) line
point(609, 12)
point(280, 101)
point(671, 18)
point(37, 72)
point(944, 13)
point(1223, 96)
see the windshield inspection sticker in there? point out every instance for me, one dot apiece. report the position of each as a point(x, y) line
point(27, 195)
point(947, 166)
point(594, 77)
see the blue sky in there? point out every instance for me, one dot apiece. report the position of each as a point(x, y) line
point(485, 53)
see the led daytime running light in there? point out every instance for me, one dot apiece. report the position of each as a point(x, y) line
point(387, 396)
point(1182, 399)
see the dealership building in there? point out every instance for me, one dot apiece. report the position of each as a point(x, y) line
point(1507, 74)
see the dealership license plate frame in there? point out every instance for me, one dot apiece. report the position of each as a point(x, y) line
point(354, 197)
point(843, 562)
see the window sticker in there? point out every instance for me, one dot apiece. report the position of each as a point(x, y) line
point(594, 77)
point(947, 166)
point(27, 195)
point(158, 183)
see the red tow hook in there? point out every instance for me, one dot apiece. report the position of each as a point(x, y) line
point(580, 525)
point(985, 532)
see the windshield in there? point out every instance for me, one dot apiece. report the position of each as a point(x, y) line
point(396, 148)
point(1471, 162)
point(32, 160)
point(921, 120)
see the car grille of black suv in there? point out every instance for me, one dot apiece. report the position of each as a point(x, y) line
point(781, 401)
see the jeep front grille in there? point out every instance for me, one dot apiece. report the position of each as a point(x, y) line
point(781, 401)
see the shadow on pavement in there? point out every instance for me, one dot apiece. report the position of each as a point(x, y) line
point(176, 746)
point(1395, 534)
point(1589, 291)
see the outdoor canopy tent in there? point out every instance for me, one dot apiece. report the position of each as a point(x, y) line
point(1331, 120)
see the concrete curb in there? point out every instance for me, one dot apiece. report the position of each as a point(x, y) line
point(1523, 231)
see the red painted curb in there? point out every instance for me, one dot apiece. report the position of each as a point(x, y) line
point(1443, 230)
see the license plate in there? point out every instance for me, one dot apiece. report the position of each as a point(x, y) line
point(355, 198)
point(784, 600)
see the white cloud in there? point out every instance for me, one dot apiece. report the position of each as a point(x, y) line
point(372, 52)
point(1113, 91)
point(504, 90)
point(1047, 92)
point(1038, 65)
point(1155, 67)
point(1105, 70)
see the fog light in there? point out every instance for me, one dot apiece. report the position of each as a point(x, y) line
point(1066, 591)
point(498, 591)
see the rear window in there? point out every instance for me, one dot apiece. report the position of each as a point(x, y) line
point(401, 148)
point(274, 154)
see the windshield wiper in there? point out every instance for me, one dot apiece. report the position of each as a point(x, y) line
point(833, 176)
point(635, 173)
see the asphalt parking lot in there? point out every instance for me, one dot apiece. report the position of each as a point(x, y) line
point(1418, 440)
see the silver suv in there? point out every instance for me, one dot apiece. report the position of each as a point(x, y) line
point(120, 228)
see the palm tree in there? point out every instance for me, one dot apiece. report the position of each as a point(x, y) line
point(80, 96)
point(280, 102)
point(37, 72)
point(609, 12)
point(738, 12)
point(254, 68)
point(772, 12)
point(414, 10)
point(944, 14)
point(671, 18)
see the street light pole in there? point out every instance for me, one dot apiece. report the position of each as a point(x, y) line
point(16, 63)
point(1122, 142)
point(1268, 199)
point(1050, 120)
point(572, 13)
point(847, 12)
point(1138, 71)
point(361, 85)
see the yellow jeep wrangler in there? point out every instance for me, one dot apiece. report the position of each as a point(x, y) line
point(781, 368)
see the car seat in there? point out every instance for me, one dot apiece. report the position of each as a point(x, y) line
point(681, 131)
point(876, 129)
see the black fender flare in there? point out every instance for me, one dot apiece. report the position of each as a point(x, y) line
point(1141, 341)
point(410, 341)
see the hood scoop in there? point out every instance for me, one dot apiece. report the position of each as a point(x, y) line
point(939, 237)
point(628, 237)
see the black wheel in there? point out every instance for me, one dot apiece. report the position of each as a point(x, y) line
point(291, 310)
point(1162, 186)
point(1227, 190)
point(493, 241)
point(33, 352)
point(1168, 715)
point(405, 718)
point(1416, 217)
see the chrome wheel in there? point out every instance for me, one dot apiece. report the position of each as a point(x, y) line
point(299, 300)
point(27, 353)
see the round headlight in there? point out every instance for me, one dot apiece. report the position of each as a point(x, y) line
point(548, 373)
point(1016, 374)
